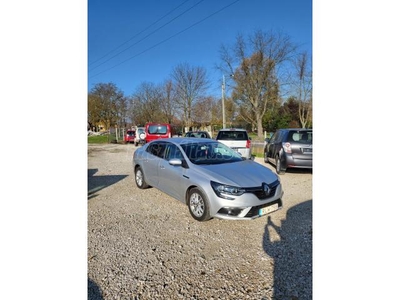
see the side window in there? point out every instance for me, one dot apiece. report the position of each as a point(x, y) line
point(157, 149)
point(172, 151)
point(274, 137)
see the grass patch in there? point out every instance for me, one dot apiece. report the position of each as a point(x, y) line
point(98, 139)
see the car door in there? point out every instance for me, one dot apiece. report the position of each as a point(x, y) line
point(151, 167)
point(171, 177)
point(273, 145)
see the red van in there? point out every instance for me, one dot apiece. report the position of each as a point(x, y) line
point(156, 131)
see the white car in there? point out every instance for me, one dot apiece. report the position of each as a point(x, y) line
point(140, 137)
point(237, 139)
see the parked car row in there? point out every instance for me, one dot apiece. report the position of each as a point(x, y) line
point(137, 136)
point(287, 148)
point(217, 178)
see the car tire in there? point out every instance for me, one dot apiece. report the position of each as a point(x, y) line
point(198, 205)
point(278, 165)
point(139, 179)
point(265, 157)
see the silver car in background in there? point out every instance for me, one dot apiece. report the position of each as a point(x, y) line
point(237, 139)
point(209, 177)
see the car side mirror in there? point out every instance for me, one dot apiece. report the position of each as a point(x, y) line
point(175, 162)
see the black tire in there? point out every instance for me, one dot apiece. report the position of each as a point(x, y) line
point(278, 165)
point(139, 179)
point(198, 205)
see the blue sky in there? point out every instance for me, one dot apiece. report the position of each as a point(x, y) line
point(127, 46)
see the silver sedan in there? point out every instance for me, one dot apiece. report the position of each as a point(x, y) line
point(210, 178)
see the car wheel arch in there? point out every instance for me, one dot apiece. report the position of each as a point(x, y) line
point(188, 192)
point(206, 207)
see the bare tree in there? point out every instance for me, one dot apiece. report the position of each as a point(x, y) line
point(146, 103)
point(257, 71)
point(190, 85)
point(303, 88)
point(168, 101)
point(202, 113)
point(103, 102)
point(121, 110)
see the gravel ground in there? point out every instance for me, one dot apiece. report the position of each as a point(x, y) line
point(143, 244)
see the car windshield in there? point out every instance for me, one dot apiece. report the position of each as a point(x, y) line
point(157, 129)
point(210, 153)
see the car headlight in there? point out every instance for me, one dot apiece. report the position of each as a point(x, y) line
point(224, 191)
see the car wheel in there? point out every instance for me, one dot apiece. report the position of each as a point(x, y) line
point(198, 205)
point(278, 165)
point(265, 157)
point(139, 179)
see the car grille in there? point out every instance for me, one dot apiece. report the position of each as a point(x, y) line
point(260, 193)
point(255, 209)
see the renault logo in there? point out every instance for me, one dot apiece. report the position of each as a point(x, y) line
point(266, 188)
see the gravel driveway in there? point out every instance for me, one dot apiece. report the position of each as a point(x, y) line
point(143, 244)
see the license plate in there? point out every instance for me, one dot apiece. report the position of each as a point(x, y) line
point(268, 209)
point(307, 150)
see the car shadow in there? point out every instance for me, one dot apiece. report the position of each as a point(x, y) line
point(290, 246)
point(94, 291)
point(97, 183)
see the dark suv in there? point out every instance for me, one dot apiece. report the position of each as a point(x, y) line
point(289, 148)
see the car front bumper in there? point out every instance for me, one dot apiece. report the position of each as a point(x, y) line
point(245, 207)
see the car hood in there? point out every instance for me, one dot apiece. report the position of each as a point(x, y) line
point(245, 173)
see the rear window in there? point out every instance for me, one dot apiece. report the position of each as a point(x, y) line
point(157, 129)
point(232, 135)
point(197, 134)
point(130, 133)
point(304, 137)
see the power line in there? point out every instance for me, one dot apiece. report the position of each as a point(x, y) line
point(167, 39)
point(151, 33)
point(140, 32)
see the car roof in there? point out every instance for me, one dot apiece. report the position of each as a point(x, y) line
point(308, 129)
point(232, 129)
point(184, 140)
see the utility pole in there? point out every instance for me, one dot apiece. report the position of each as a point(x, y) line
point(223, 102)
